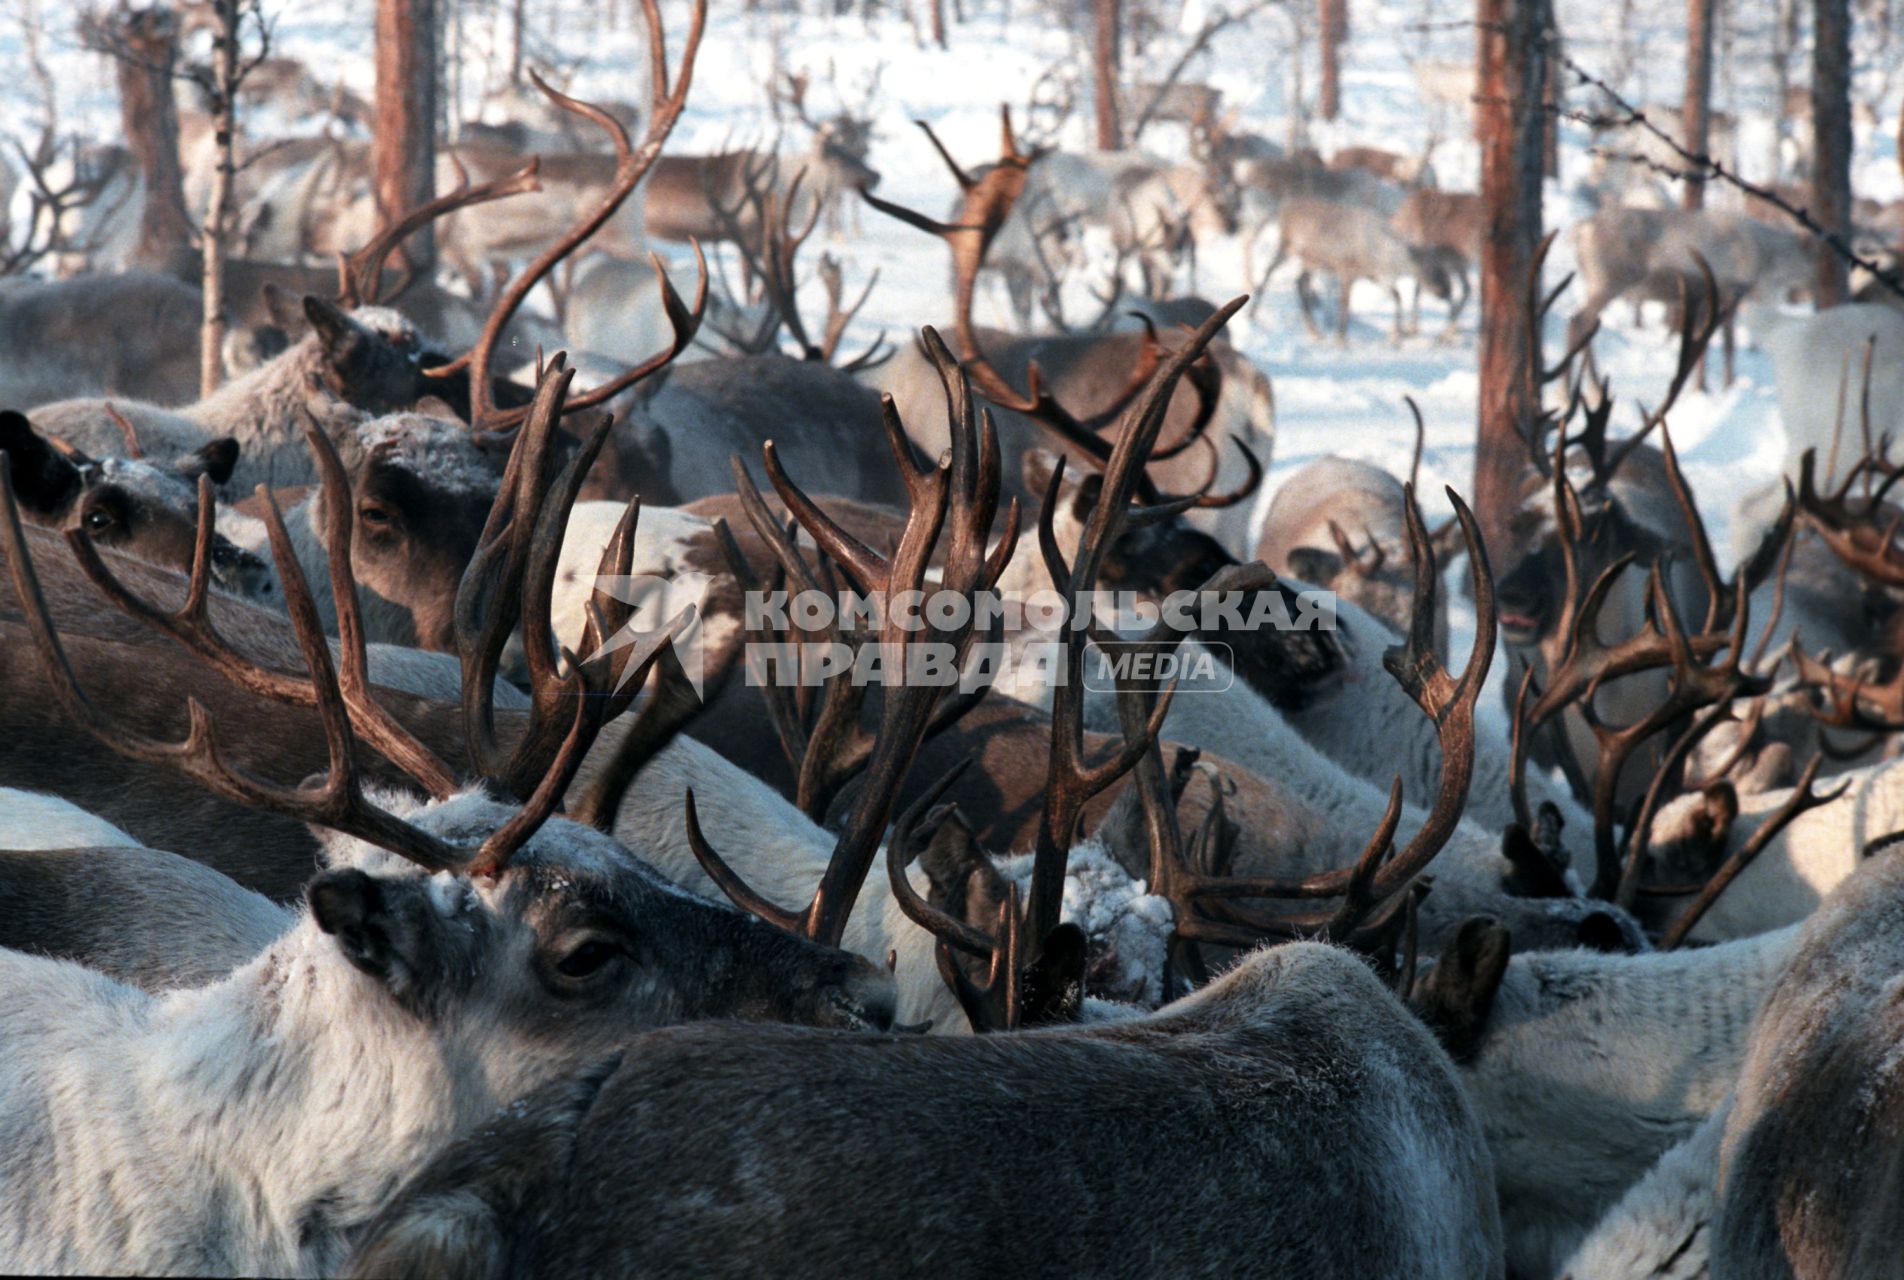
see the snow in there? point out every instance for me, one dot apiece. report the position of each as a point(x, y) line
point(1345, 400)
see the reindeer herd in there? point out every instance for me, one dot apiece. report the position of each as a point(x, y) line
point(389, 891)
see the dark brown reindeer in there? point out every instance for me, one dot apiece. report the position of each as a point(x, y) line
point(1107, 370)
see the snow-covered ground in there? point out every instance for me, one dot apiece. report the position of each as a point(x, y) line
point(1331, 399)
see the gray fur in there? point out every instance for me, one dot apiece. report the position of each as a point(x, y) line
point(1811, 1168)
point(1289, 1119)
point(364, 363)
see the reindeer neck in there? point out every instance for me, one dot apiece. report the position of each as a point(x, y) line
point(305, 1095)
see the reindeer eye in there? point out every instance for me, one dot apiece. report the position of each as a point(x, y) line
point(588, 959)
point(374, 515)
point(97, 520)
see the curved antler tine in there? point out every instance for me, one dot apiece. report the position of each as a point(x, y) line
point(616, 131)
point(360, 275)
point(1243, 491)
point(946, 928)
point(398, 745)
point(608, 613)
point(915, 477)
point(728, 880)
point(1359, 897)
point(489, 597)
point(1481, 656)
point(631, 164)
point(1048, 546)
point(338, 802)
point(1703, 558)
point(866, 567)
point(492, 858)
point(1448, 703)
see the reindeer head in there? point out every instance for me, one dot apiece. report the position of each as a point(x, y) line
point(1151, 560)
point(422, 484)
point(371, 357)
point(570, 948)
point(140, 508)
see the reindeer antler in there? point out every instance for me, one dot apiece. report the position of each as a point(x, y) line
point(360, 274)
point(958, 498)
point(631, 163)
point(987, 202)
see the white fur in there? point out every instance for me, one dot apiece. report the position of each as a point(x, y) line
point(1592, 1065)
point(1662, 1226)
point(1805, 861)
point(33, 820)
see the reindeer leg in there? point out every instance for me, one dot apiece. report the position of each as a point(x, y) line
point(1307, 298)
point(1454, 312)
point(1730, 347)
point(1395, 292)
point(1345, 285)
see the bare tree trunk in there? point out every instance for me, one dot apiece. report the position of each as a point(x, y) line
point(938, 22)
point(1784, 44)
point(1110, 134)
point(1697, 113)
point(1550, 102)
point(1512, 65)
point(518, 21)
point(403, 149)
point(1331, 24)
point(145, 43)
point(1831, 139)
point(216, 235)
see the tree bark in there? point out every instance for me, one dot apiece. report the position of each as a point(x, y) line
point(145, 45)
point(1512, 65)
point(403, 149)
point(938, 21)
point(216, 236)
point(1831, 140)
point(1696, 115)
point(1331, 27)
point(1109, 21)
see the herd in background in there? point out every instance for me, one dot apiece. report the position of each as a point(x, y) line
point(1327, 974)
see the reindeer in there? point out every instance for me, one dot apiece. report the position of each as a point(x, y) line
point(1657, 254)
point(1587, 1068)
point(1838, 381)
point(195, 926)
point(1353, 243)
point(1315, 522)
point(1158, 214)
point(1807, 1163)
point(1449, 223)
point(1413, 172)
point(1108, 371)
point(133, 336)
point(140, 508)
point(562, 1180)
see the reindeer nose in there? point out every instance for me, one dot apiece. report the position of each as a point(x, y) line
point(865, 999)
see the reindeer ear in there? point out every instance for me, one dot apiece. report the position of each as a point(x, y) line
point(378, 927)
point(217, 460)
point(1316, 566)
point(961, 879)
point(1533, 873)
point(337, 331)
point(44, 480)
point(1457, 995)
